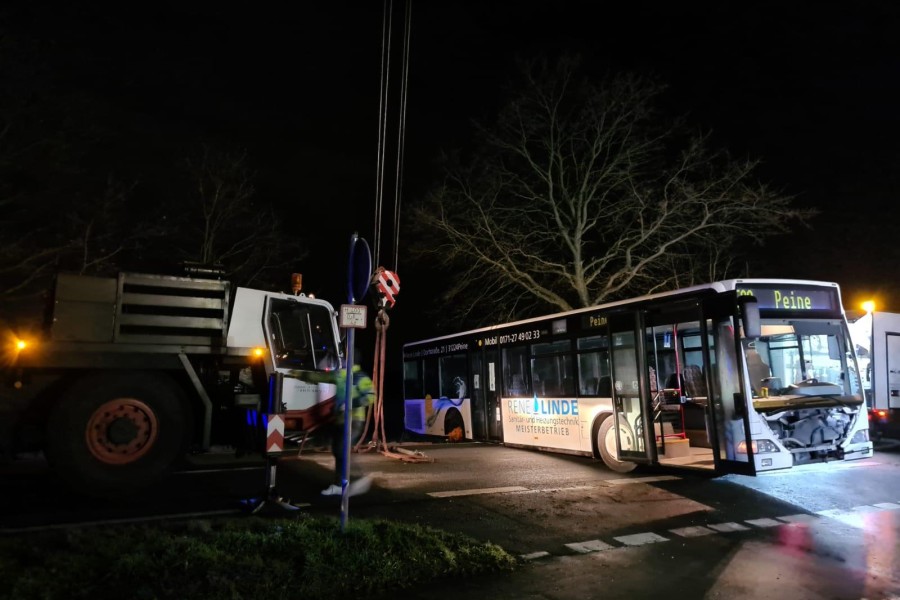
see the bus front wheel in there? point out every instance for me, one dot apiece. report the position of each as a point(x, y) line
point(606, 445)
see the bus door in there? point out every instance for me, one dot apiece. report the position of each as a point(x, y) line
point(729, 417)
point(479, 404)
point(678, 398)
point(630, 390)
point(490, 374)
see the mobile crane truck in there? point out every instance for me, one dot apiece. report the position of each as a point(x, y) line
point(132, 372)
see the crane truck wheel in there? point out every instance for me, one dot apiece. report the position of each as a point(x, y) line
point(114, 433)
point(605, 437)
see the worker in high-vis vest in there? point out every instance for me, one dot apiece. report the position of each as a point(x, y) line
point(361, 397)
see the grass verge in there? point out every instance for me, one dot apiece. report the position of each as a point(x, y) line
point(304, 557)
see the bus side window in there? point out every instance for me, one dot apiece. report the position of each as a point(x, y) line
point(552, 369)
point(604, 387)
point(517, 380)
point(516, 385)
point(593, 366)
point(412, 379)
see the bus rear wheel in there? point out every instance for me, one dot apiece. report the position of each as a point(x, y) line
point(606, 445)
point(113, 434)
point(454, 426)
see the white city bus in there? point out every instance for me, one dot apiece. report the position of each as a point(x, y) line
point(737, 376)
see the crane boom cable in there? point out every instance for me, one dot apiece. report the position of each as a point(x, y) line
point(386, 282)
point(401, 131)
point(383, 95)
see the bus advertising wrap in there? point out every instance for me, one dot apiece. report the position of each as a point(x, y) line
point(551, 422)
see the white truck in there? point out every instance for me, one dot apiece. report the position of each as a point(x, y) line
point(132, 372)
point(876, 336)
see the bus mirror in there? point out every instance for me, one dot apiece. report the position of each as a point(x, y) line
point(750, 316)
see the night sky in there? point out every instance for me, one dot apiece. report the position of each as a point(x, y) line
point(810, 88)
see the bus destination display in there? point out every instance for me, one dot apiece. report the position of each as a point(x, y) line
point(793, 299)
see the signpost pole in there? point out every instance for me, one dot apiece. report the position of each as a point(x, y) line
point(345, 468)
point(358, 276)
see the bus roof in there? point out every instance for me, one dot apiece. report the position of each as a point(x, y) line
point(716, 286)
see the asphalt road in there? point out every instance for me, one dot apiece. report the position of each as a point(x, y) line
point(824, 531)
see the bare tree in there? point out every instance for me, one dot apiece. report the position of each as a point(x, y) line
point(88, 235)
point(226, 224)
point(578, 196)
point(56, 211)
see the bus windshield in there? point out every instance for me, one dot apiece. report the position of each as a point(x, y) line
point(801, 358)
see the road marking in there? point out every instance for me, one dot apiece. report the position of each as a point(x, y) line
point(855, 510)
point(196, 515)
point(729, 527)
point(800, 518)
point(817, 469)
point(764, 522)
point(855, 516)
point(695, 531)
point(832, 512)
point(573, 488)
point(628, 480)
point(476, 492)
point(224, 470)
point(639, 539)
point(589, 546)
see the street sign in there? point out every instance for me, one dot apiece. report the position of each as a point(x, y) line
point(359, 269)
point(353, 315)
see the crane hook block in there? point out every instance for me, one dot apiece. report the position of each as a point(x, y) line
point(387, 285)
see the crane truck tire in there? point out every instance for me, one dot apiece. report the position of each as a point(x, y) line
point(605, 436)
point(112, 434)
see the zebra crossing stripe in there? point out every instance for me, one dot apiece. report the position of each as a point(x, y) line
point(695, 531)
point(763, 523)
point(640, 539)
point(729, 527)
point(799, 518)
point(588, 547)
